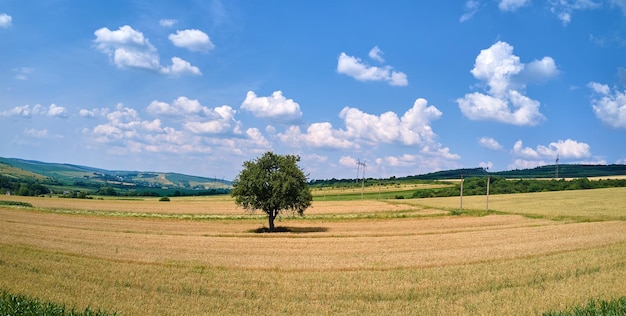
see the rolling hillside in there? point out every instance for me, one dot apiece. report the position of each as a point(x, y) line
point(88, 177)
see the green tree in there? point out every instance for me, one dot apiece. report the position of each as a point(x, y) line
point(272, 183)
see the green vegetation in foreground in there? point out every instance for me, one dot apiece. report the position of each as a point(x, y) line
point(615, 307)
point(21, 305)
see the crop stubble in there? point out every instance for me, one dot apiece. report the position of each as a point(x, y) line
point(505, 264)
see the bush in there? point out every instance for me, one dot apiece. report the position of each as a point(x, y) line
point(164, 199)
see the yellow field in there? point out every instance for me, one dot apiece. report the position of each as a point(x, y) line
point(343, 258)
point(600, 204)
point(357, 189)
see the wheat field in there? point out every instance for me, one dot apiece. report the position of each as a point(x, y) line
point(342, 258)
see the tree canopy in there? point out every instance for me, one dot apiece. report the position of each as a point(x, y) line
point(272, 183)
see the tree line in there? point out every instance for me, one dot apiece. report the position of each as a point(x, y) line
point(22, 187)
point(500, 185)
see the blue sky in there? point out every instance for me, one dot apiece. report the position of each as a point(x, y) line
point(409, 87)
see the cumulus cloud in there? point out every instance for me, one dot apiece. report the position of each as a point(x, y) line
point(222, 122)
point(564, 9)
point(57, 111)
point(275, 107)
point(93, 113)
point(527, 157)
point(486, 165)
point(505, 78)
point(128, 48)
point(27, 111)
point(357, 69)
point(567, 149)
point(193, 40)
point(360, 128)
point(471, 7)
point(376, 54)
point(180, 67)
point(512, 5)
point(317, 135)
point(5, 20)
point(609, 106)
point(411, 129)
point(526, 164)
point(489, 143)
point(167, 22)
point(422, 162)
point(196, 130)
point(197, 118)
point(24, 111)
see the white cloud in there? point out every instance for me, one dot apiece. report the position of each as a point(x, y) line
point(566, 149)
point(489, 143)
point(506, 78)
point(486, 165)
point(275, 107)
point(318, 135)
point(24, 111)
point(526, 164)
point(197, 118)
point(194, 40)
point(512, 5)
point(57, 111)
point(180, 67)
point(5, 20)
point(128, 48)
point(358, 70)
point(93, 113)
point(539, 70)
point(564, 8)
point(37, 133)
point(471, 7)
point(222, 122)
point(609, 106)
point(413, 128)
point(167, 22)
point(22, 73)
point(27, 111)
point(199, 131)
point(376, 54)
point(425, 161)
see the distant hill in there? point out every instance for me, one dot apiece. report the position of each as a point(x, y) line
point(60, 174)
point(549, 171)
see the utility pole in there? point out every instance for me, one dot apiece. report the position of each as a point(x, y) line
point(461, 208)
point(362, 179)
point(488, 192)
point(556, 173)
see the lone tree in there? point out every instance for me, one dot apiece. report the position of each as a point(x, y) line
point(272, 183)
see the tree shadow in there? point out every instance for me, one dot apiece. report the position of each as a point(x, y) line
point(286, 229)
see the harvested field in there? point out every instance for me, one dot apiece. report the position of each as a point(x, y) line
point(596, 204)
point(419, 264)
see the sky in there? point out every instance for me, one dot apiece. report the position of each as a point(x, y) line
point(405, 87)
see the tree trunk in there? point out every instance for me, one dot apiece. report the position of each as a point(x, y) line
point(271, 217)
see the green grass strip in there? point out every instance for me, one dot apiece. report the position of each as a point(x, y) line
point(16, 203)
point(616, 307)
point(11, 304)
